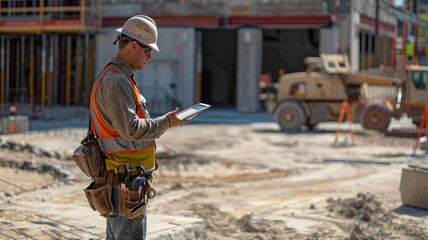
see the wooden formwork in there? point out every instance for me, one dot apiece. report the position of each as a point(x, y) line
point(46, 70)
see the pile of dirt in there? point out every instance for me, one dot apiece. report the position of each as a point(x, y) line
point(221, 225)
point(373, 220)
point(364, 207)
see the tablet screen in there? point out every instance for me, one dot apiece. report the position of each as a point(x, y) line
point(193, 110)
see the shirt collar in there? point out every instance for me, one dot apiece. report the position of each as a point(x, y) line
point(124, 67)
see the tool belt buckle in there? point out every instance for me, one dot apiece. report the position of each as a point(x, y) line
point(133, 173)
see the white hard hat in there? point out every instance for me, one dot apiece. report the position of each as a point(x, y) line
point(143, 29)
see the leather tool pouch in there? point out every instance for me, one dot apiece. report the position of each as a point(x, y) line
point(99, 192)
point(131, 203)
point(88, 156)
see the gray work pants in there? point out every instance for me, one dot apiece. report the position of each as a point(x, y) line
point(121, 228)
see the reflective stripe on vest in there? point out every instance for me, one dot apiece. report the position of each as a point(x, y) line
point(109, 140)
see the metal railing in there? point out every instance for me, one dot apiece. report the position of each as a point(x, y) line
point(36, 16)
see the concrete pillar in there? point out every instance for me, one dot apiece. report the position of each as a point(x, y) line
point(355, 38)
point(186, 66)
point(250, 56)
point(329, 40)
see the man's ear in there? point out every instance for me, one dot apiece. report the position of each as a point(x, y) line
point(132, 46)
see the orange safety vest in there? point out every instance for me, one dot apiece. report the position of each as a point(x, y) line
point(119, 151)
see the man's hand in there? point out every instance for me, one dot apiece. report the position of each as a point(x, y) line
point(173, 120)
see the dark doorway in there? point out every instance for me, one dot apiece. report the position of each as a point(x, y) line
point(286, 48)
point(219, 67)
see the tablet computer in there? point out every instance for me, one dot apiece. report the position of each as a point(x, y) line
point(190, 112)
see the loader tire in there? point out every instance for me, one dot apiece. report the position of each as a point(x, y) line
point(375, 116)
point(290, 116)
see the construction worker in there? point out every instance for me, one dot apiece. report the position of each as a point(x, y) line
point(121, 123)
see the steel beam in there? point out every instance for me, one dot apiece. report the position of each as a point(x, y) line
point(43, 79)
point(2, 69)
point(31, 73)
point(68, 73)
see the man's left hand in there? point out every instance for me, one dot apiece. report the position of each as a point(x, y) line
point(173, 120)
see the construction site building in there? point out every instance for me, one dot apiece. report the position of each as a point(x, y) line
point(212, 51)
point(47, 53)
point(216, 51)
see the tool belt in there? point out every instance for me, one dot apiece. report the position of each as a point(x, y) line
point(133, 196)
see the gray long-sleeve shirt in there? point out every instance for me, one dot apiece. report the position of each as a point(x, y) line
point(115, 101)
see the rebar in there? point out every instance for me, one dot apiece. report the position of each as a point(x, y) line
point(6, 235)
point(11, 184)
point(62, 229)
point(68, 225)
point(57, 233)
point(26, 236)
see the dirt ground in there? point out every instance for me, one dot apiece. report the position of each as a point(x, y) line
point(247, 181)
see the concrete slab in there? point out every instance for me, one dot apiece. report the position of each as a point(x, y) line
point(39, 212)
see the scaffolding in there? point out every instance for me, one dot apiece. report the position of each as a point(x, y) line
point(60, 16)
point(47, 51)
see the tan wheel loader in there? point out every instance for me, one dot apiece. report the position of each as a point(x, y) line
point(316, 95)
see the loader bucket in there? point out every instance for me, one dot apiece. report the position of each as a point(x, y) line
point(414, 187)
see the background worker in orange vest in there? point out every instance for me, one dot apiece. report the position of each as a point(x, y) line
point(122, 124)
